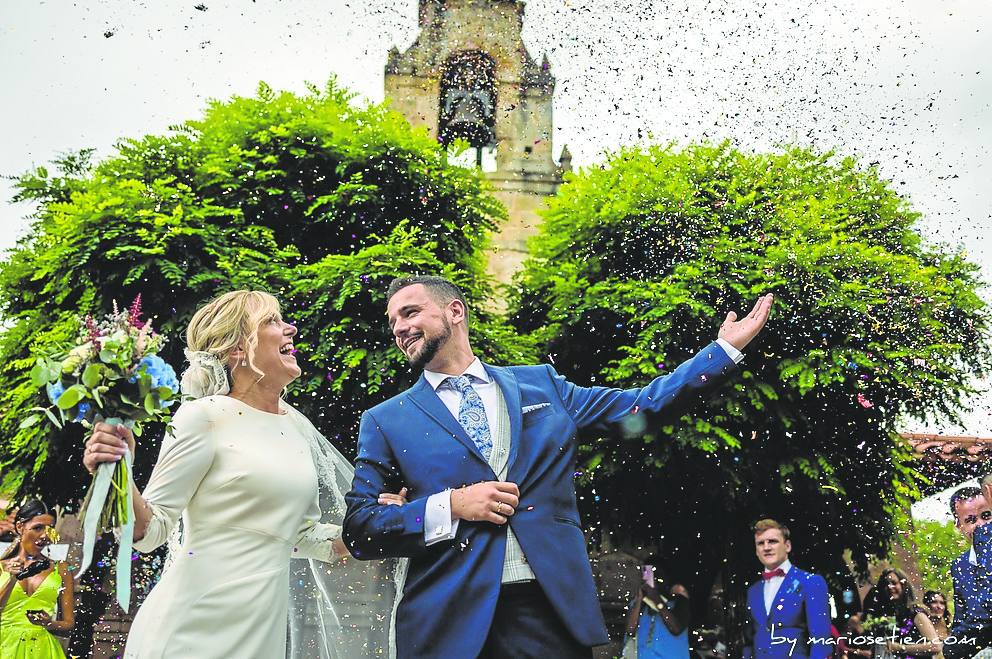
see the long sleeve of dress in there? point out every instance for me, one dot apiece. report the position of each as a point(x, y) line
point(186, 455)
point(315, 539)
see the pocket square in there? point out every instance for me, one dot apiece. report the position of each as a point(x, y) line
point(530, 408)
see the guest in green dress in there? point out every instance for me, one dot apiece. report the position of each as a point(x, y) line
point(29, 606)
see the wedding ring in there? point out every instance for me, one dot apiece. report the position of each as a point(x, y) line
point(499, 507)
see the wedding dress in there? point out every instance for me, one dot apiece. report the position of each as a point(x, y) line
point(255, 489)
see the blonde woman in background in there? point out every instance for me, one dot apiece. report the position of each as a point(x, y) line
point(248, 475)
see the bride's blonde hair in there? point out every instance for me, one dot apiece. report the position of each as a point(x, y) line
point(225, 323)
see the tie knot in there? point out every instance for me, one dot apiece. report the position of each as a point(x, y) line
point(777, 572)
point(460, 383)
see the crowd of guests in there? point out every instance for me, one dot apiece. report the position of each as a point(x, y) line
point(924, 626)
point(789, 612)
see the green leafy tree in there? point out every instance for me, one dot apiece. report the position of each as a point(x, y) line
point(936, 546)
point(636, 264)
point(308, 196)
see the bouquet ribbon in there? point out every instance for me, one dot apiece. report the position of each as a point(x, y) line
point(92, 512)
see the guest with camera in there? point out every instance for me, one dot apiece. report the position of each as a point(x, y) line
point(33, 589)
point(658, 621)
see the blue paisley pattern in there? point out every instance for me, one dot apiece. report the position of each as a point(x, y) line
point(472, 414)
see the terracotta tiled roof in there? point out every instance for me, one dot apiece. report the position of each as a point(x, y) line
point(950, 448)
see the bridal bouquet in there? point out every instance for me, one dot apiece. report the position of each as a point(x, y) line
point(881, 629)
point(880, 626)
point(112, 374)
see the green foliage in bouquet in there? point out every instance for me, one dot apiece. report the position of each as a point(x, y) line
point(636, 265)
point(311, 197)
point(112, 371)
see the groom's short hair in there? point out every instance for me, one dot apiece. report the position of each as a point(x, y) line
point(763, 525)
point(442, 290)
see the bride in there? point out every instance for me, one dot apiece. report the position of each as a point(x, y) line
point(255, 484)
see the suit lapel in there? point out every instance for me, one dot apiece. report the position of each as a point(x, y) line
point(426, 399)
point(511, 394)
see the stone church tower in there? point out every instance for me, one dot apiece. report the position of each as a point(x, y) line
point(468, 75)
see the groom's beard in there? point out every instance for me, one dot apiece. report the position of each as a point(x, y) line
point(431, 346)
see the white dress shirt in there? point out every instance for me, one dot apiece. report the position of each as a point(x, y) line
point(772, 585)
point(438, 525)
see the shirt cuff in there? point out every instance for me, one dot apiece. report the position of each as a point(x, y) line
point(731, 351)
point(438, 525)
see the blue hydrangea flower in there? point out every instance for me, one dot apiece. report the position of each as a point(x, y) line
point(55, 390)
point(160, 372)
point(81, 413)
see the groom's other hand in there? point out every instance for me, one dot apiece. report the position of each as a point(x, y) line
point(489, 501)
point(739, 333)
point(390, 499)
point(385, 499)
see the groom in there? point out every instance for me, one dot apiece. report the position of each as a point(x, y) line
point(498, 564)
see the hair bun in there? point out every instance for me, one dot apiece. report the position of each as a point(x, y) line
point(205, 376)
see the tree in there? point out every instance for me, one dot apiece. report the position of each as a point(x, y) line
point(635, 265)
point(936, 545)
point(307, 196)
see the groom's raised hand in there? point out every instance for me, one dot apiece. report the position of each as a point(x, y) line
point(739, 333)
point(490, 501)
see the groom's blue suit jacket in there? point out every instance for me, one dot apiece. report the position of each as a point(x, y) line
point(451, 589)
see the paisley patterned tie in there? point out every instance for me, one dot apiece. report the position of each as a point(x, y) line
point(472, 414)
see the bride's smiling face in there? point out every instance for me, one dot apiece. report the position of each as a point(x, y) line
point(275, 353)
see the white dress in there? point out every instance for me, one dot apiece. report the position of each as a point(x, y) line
point(245, 483)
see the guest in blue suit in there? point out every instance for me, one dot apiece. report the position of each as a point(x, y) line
point(971, 574)
point(789, 609)
point(498, 564)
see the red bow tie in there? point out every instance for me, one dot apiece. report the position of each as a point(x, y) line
point(777, 572)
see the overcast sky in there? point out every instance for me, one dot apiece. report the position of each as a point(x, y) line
point(907, 85)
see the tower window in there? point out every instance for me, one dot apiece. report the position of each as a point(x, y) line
point(468, 101)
